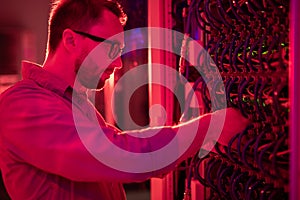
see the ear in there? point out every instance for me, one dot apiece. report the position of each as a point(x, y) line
point(69, 40)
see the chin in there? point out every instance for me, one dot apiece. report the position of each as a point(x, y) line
point(101, 85)
point(94, 84)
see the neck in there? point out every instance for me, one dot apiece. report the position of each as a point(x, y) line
point(62, 68)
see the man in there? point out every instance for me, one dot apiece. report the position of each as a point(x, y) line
point(43, 152)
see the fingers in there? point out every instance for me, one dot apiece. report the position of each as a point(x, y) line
point(234, 123)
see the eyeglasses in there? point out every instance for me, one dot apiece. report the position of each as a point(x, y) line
point(115, 48)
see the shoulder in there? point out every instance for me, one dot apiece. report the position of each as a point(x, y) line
point(22, 87)
point(26, 94)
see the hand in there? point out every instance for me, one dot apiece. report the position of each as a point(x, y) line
point(234, 123)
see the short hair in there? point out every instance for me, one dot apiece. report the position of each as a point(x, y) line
point(77, 14)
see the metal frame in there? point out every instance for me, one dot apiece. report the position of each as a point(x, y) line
point(294, 83)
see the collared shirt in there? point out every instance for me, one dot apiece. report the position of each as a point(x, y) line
point(41, 153)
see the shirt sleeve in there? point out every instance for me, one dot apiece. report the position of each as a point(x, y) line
point(39, 129)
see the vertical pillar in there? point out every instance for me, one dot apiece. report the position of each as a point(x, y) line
point(294, 98)
point(159, 16)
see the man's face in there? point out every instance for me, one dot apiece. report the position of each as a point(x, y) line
point(98, 60)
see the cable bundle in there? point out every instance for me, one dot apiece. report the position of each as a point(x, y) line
point(248, 42)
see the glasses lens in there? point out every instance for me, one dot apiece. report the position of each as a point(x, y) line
point(115, 50)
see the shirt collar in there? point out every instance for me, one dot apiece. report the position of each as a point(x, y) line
point(44, 78)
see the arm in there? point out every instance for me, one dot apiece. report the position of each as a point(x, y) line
point(43, 134)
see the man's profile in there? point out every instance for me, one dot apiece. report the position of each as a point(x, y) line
point(41, 153)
